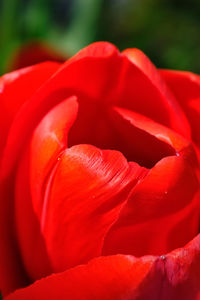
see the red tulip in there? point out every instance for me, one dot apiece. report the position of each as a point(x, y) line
point(100, 179)
point(31, 53)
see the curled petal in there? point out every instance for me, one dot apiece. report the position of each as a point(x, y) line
point(142, 131)
point(160, 217)
point(85, 193)
point(49, 139)
point(162, 212)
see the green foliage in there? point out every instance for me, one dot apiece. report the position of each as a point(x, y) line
point(167, 31)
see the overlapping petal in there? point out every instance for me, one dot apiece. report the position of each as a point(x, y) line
point(84, 195)
point(186, 87)
point(174, 276)
point(162, 212)
point(73, 204)
point(104, 76)
point(38, 159)
point(16, 88)
point(146, 92)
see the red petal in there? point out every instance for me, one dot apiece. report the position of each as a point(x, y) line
point(147, 93)
point(92, 65)
point(48, 140)
point(110, 278)
point(162, 212)
point(145, 141)
point(16, 88)
point(185, 85)
point(102, 75)
point(174, 276)
point(83, 198)
point(186, 88)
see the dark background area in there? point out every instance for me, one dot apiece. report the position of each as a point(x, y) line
point(168, 31)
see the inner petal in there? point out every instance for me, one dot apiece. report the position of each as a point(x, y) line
point(105, 128)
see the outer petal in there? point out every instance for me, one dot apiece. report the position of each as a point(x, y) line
point(38, 159)
point(16, 88)
point(175, 276)
point(186, 87)
point(152, 94)
point(51, 136)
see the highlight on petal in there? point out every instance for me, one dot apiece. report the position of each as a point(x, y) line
point(174, 276)
point(152, 94)
point(157, 218)
point(49, 139)
point(83, 198)
point(38, 159)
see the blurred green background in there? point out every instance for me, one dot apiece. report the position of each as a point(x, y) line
point(168, 31)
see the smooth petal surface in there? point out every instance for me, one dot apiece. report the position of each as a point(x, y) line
point(150, 95)
point(84, 195)
point(186, 87)
point(12, 273)
point(174, 276)
point(49, 139)
point(16, 88)
point(38, 159)
point(9, 250)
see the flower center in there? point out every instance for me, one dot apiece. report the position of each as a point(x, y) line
point(99, 126)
